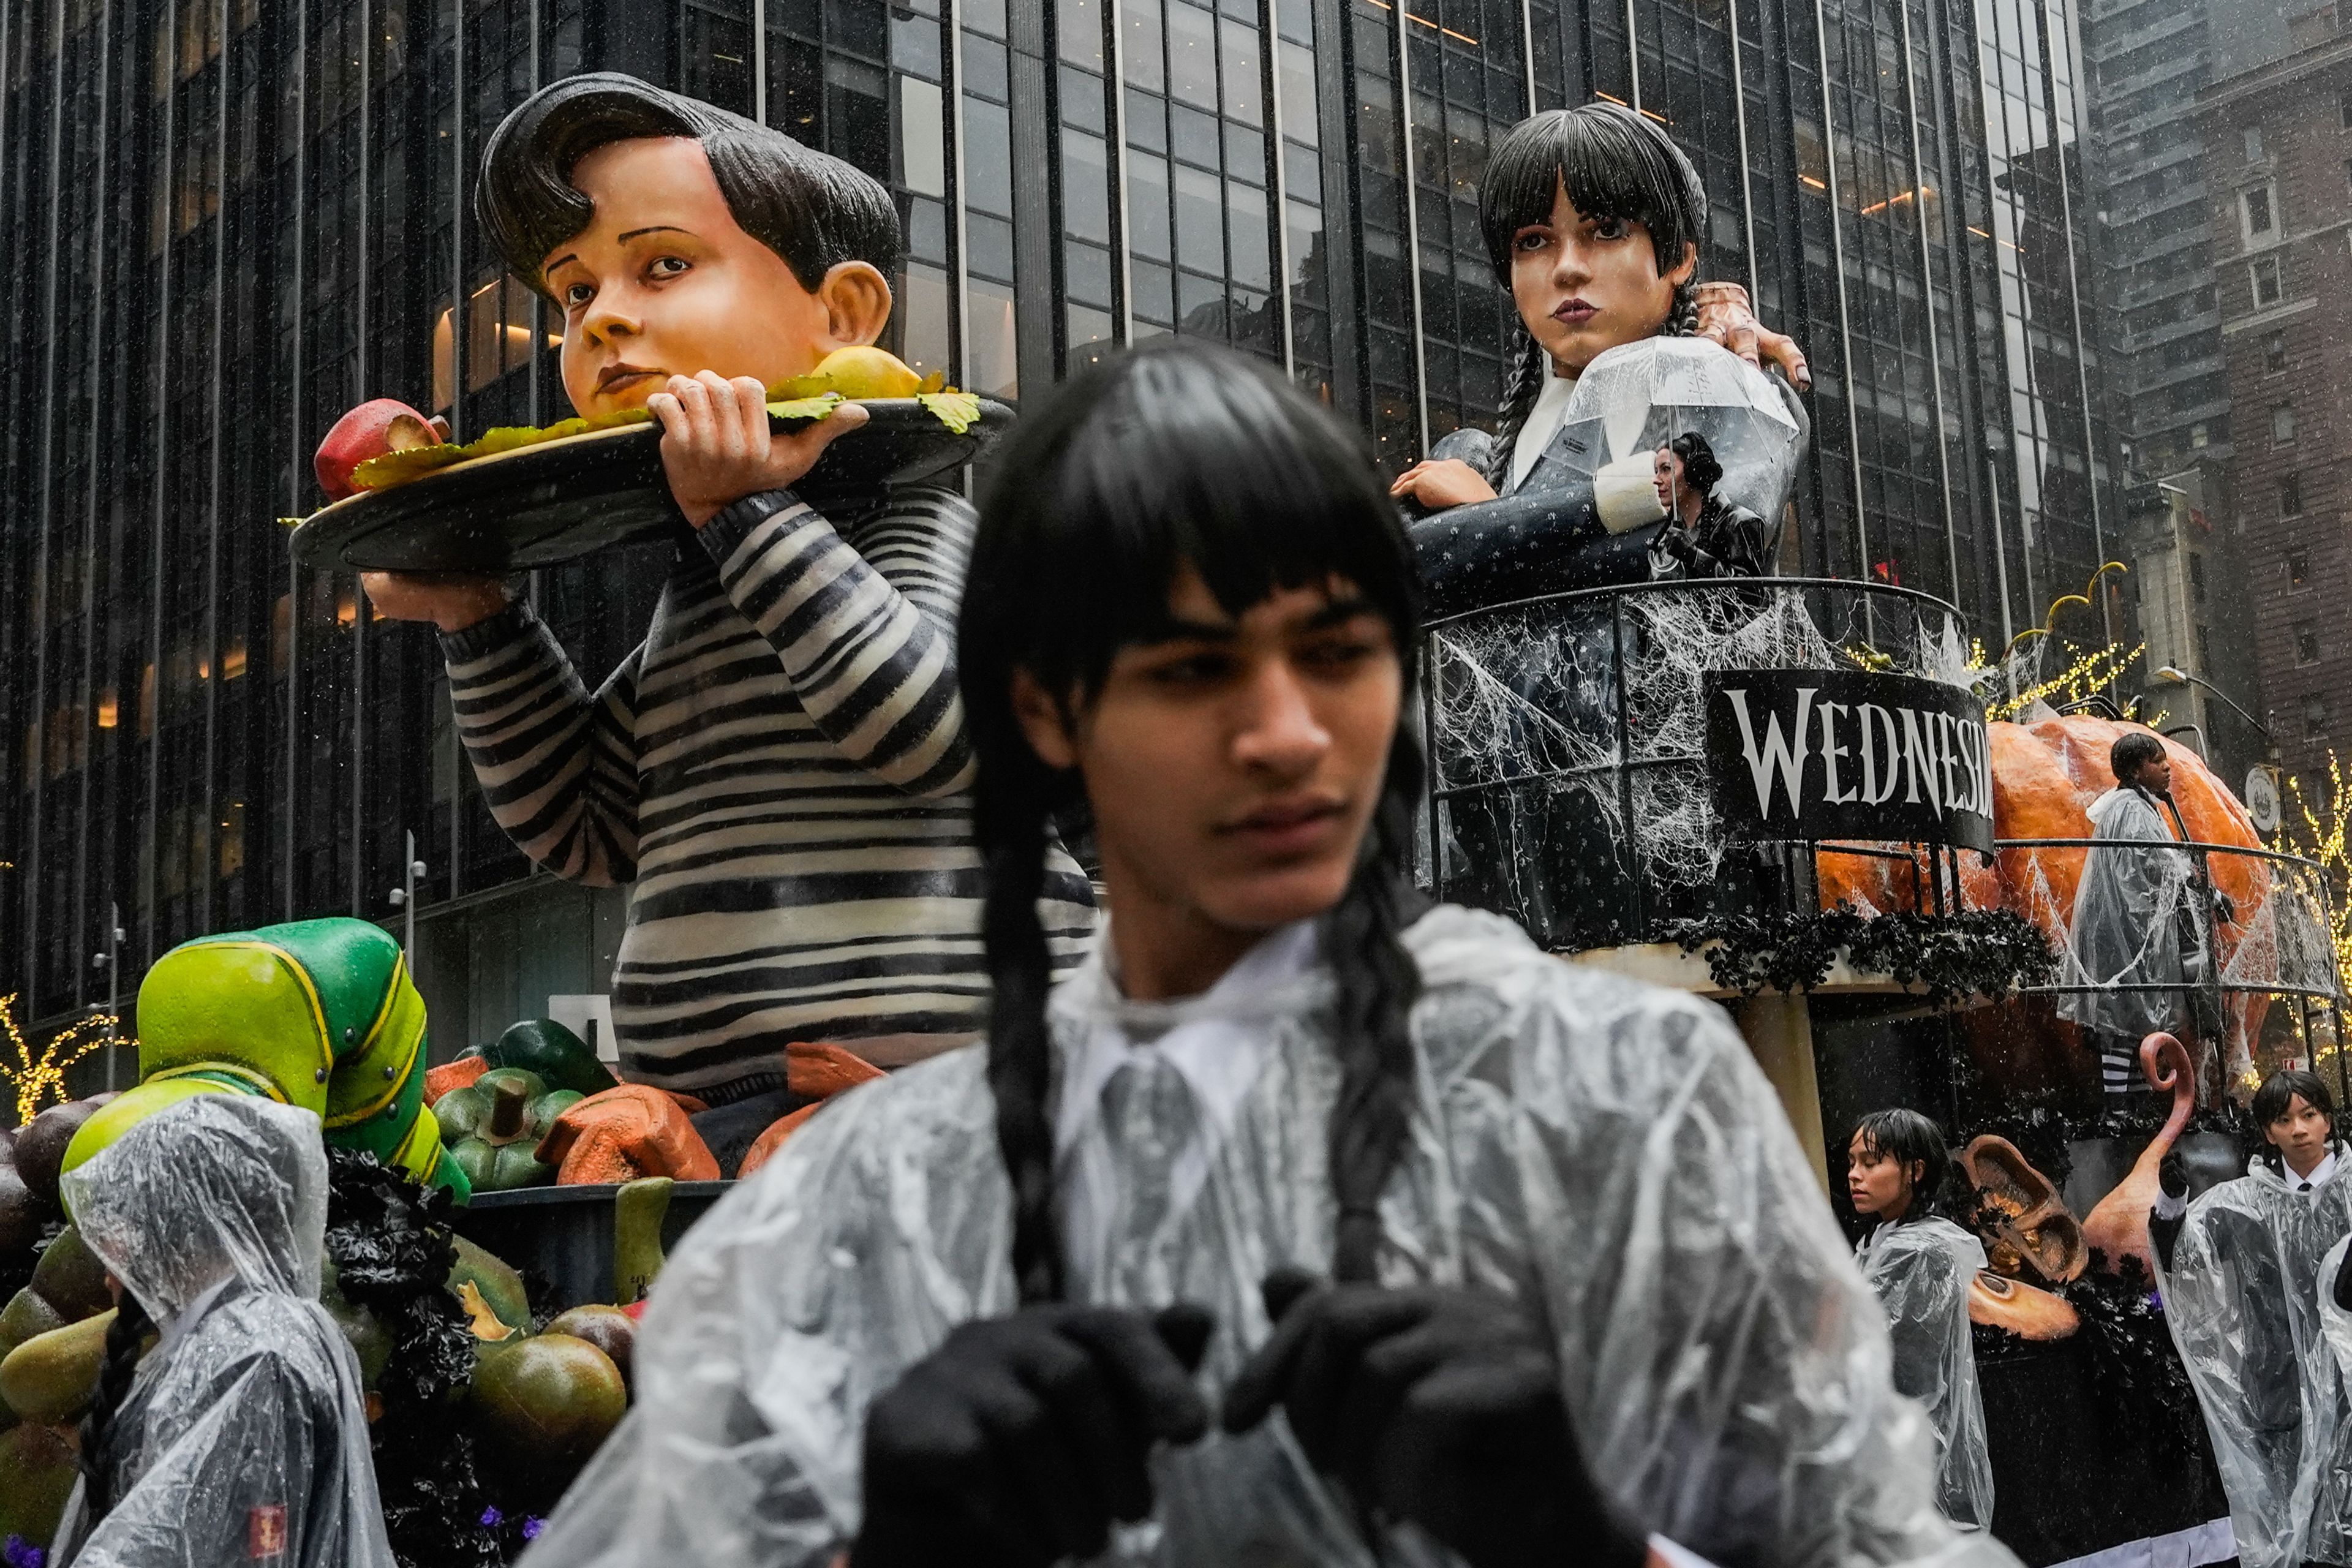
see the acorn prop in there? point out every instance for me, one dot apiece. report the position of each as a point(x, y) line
point(494, 1125)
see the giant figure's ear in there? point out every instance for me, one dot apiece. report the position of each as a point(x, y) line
point(856, 300)
point(1044, 721)
point(1690, 267)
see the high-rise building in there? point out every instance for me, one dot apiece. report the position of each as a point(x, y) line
point(234, 218)
point(2277, 171)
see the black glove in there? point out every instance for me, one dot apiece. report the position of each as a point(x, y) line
point(1440, 1404)
point(2172, 1175)
point(1677, 542)
point(1020, 1439)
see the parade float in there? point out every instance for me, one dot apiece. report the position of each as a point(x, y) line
point(1821, 803)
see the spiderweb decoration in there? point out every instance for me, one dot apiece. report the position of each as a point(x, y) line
point(1537, 770)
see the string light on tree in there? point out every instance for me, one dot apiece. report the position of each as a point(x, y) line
point(34, 1077)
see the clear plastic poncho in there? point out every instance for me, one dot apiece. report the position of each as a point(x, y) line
point(244, 1437)
point(1606, 1150)
point(1921, 1269)
point(2134, 924)
point(2244, 1297)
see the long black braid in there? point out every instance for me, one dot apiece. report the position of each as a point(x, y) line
point(1179, 455)
point(1010, 818)
point(1529, 365)
point(1377, 984)
point(126, 1338)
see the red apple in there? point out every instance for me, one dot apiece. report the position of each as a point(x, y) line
point(373, 429)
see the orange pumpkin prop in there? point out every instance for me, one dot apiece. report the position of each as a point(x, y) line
point(2045, 775)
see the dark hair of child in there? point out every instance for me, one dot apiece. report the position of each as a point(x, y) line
point(1173, 456)
point(125, 1337)
point(2133, 751)
point(1615, 164)
point(1702, 471)
point(809, 207)
point(1910, 1139)
point(2278, 1092)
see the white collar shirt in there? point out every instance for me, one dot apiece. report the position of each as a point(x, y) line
point(1216, 1041)
point(1543, 423)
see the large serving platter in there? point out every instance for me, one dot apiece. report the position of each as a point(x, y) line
point(557, 500)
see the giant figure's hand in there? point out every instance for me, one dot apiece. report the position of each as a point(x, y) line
point(1440, 1404)
point(1726, 316)
point(450, 600)
point(1440, 483)
point(1019, 1440)
point(716, 446)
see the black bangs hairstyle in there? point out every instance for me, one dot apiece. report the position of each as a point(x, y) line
point(809, 207)
point(1615, 164)
point(1910, 1139)
point(1172, 456)
point(2278, 1092)
point(2134, 750)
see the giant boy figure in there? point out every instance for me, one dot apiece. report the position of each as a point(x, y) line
point(781, 768)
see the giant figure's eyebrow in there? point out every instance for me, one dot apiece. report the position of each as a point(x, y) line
point(633, 234)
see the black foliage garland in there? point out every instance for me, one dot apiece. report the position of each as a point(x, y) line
point(1974, 953)
point(393, 1250)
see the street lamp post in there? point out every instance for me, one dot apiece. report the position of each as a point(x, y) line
point(111, 962)
point(2175, 673)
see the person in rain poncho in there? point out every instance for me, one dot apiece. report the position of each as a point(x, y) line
point(1477, 1257)
point(2242, 1271)
point(241, 1435)
point(2136, 922)
point(1921, 1264)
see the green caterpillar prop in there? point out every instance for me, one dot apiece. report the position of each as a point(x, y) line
point(318, 1014)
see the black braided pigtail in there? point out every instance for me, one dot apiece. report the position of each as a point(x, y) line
point(1520, 388)
point(1378, 984)
point(126, 1337)
point(1682, 316)
point(1010, 817)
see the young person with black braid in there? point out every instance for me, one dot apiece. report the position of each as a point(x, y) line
point(1303, 1224)
point(241, 1435)
point(1592, 219)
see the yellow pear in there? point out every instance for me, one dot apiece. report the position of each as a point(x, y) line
point(854, 373)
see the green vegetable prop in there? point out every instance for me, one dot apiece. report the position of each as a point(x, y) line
point(318, 1014)
point(494, 1124)
point(542, 1045)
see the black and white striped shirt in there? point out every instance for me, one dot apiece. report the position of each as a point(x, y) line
point(781, 768)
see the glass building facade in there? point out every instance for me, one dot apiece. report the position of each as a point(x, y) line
point(232, 219)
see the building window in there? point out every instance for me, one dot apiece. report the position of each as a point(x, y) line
point(2197, 576)
point(2204, 646)
point(2254, 144)
point(2344, 109)
point(2258, 214)
point(2298, 567)
point(2273, 351)
point(2282, 423)
point(2200, 435)
point(2314, 717)
point(2265, 273)
point(2290, 494)
point(2306, 642)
